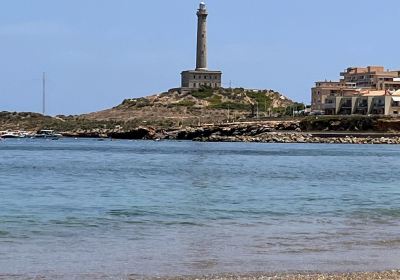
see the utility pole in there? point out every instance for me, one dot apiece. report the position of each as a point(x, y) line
point(44, 94)
point(265, 102)
point(258, 116)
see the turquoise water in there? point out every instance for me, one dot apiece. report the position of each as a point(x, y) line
point(91, 209)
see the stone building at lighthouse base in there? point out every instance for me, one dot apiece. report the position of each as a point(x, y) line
point(194, 79)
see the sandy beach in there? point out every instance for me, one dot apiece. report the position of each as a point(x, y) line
point(385, 275)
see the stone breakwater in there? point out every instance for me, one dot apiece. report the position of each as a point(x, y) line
point(274, 137)
point(265, 132)
point(278, 132)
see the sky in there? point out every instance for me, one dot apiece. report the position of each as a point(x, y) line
point(98, 52)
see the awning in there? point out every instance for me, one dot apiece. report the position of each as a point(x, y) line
point(396, 98)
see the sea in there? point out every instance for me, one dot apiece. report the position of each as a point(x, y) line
point(90, 209)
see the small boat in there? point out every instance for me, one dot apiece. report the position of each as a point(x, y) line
point(10, 135)
point(47, 134)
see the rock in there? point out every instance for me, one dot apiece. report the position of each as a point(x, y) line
point(139, 133)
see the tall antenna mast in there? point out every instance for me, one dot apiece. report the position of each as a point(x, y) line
point(44, 94)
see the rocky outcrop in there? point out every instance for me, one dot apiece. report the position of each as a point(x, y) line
point(135, 134)
point(301, 138)
point(140, 133)
point(242, 129)
point(264, 132)
point(317, 129)
point(207, 105)
point(339, 123)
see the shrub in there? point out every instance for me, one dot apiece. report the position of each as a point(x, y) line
point(231, 106)
point(202, 93)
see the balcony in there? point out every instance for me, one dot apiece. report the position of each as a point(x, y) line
point(330, 105)
point(346, 104)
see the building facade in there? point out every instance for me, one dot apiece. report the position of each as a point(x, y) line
point(201, 76)
point(372, 77)
point(370, 83)
point(367, 103)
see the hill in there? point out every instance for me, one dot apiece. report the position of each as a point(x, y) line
point(205, 105)
point(171, 110)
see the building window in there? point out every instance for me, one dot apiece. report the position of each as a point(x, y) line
point(194, 85)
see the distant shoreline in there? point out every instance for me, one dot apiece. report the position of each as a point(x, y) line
point(285, 137)
point(317, 129)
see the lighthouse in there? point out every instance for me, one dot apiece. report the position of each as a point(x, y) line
point(201, 76)
point(201, 58)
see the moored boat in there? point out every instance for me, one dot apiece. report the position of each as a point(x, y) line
point(9, 135)
point(47, 134)
point(12, 135)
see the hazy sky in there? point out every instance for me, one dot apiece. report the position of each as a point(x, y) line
point(98, 52)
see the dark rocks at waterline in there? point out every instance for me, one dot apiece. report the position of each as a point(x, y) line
point(343, 123)
point(269, 132)
point(300, 138)
point(189, 133)
point(350, 123)
point(140, 133)
point(135, 134)
point(232, 130)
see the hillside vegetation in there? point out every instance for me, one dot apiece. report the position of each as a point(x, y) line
point(205, 105)
point(169, 110)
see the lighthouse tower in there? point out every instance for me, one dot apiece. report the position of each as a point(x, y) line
point(201, 59)
point(201, 76)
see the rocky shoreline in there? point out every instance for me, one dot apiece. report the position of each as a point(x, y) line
point(300, 138)
point(321, 130)
point(266, 132)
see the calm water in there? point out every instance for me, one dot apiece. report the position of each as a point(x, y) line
point(85, 208)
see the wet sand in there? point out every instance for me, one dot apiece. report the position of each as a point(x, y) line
point(385, 275)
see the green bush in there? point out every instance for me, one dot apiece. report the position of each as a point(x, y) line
point(186, 103)
point(231, 106)
point(215, 99)
point(202, 93)
point(264, 101)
